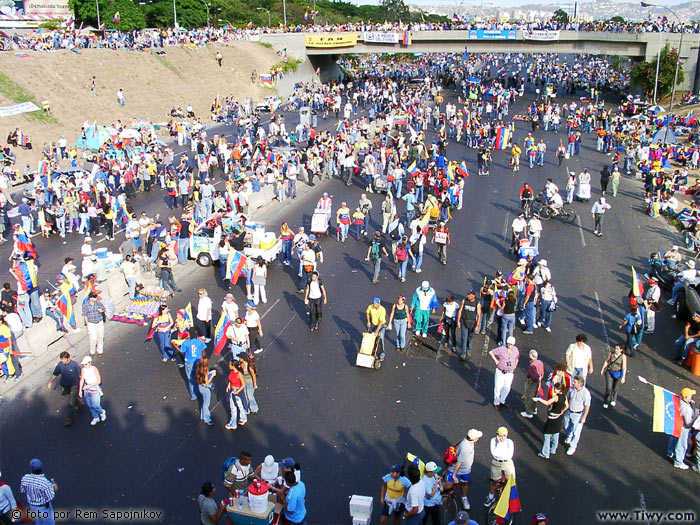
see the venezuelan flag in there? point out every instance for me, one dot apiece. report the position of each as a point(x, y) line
point(26, 275)
point(23, 244)
point(401, 120)
point(117, 17)
point(236, 265)
point(502, 138)
point(508, 503)
point(412, 168)
point(462, 169)
point(667, 412)
point(66, 307)
point(220, 333)
point(341, 126)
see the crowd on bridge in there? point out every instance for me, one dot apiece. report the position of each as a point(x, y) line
point(389, 134)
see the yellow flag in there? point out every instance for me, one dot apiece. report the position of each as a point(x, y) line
point(504, 501)
point(635, 283)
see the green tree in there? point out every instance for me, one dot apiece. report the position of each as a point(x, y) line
point(130, 15)
point(644, 73)
point(190, 14)
point(395, 10)
point(560, 16)
point(617, 20)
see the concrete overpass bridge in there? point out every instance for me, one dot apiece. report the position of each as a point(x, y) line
point(319, 50)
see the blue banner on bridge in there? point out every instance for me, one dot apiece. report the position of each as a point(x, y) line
point(493, 34)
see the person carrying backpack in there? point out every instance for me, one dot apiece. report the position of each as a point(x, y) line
point(396, 231)
point(374, 254)
point(401, 256)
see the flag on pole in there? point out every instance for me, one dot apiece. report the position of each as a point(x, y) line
point(667, 412)
point(690, 118)
point(508, 503)
point(102, 27)
point(306, 14)
point(250, 24)
point(462, 169)
point(235, 265)
point(117, 17)
point(341, 126)
point(220, 333)
point(70, 23)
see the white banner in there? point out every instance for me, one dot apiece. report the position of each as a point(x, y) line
point(544, 35)
point(378, 37)
point(24, 107)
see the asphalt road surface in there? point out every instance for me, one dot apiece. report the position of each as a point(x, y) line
point(346, 425)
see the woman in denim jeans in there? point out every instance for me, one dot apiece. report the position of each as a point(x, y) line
point(238, 401)
point(89, 388)
point(556, 406)
point(205, 383)
point(250, 374)
point(399, 316)
point(508, 319)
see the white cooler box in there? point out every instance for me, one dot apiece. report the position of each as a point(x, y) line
point(361, 509)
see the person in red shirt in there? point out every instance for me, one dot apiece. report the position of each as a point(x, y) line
point(238, 402)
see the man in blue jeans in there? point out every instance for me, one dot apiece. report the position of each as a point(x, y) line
point(691, 336)
point(678, 446)
point(192, 350)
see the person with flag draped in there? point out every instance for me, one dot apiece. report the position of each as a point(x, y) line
point(680, 412)
point(9, 361)
point(502, 452)
point(161, 327)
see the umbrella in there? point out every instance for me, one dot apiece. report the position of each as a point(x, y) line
point(130, 134)
point(40, 31)
point(113, 132)
point(656, 109)
point(474, 80)
point(664, 136)
point(95, 136)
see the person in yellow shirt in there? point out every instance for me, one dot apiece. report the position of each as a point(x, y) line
point(376, 321)
point(515, 152)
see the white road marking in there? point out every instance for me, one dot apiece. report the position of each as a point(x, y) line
point(580, 230)
point(602, 322)
point(285, 326)
point(643, 507)
point(505, 226)
point(269, 309)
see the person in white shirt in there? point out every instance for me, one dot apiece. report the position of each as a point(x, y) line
point(461, 470)
point(204, 313)
point(415, 498)
point(684, 276)
point(579, 357)
point(502, 451)
point(534, 231)
point(519, 228)
point(229, 307)
point(597, 211)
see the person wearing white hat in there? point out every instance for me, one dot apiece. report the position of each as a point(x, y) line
point(506, 358)
point(597, 211)
point(268, 471)
point(424, 303)
point(90, 389)
point(460, 471)
point(433, 497)
point(673, 257)
point(502, 452)
point(684, 276)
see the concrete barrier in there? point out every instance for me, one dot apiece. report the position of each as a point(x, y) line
point(260, 198)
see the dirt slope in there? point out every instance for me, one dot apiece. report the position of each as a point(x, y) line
point(152, 85)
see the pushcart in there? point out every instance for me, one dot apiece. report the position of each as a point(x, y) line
point(320, 221)
point(370, 353)
point(584, 191)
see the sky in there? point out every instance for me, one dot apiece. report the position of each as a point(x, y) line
point(505, 3)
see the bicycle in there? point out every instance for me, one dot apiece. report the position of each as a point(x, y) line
point(451, 504)
point(564, 214)
point(526, 207)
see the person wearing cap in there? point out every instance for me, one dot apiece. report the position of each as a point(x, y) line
point(534, 231)
point(49, 309)
point(579, 405)
point(70, 373)
point(502, 452)
point(633, 323)
point(423, 303)
point(94, 319)
point(238, 335)
point(597, 212)
point(460, 471)
point(40, 493)
point(376, 321)
point(506, 358)
point(393, 494)
point(210, 512)
point(343, 219)
point(268, 471)
point(518, 229)
point(432, 504)
point(685, 276)
point(229, 306)
point(463, 517)
point(539, 519)
point(254, 326)
point(673, 257)
point(533, 382)
point(579, 357)
point(677, 446)
point(689, 338)
point(652, 298)
point(90, 389)
point(415, 498)
point(441, 237)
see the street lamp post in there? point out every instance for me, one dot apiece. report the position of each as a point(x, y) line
point(97, 5)
point(678, 62)
point(658, 64)
point(224, 20)
point(206, 6)
point(174, 15)
point(268, 14)
point(284, 10)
